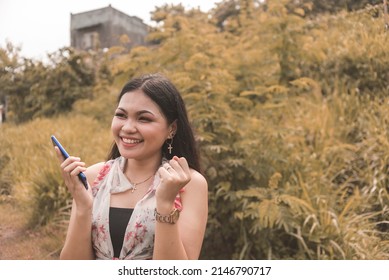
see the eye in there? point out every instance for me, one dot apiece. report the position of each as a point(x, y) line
point(144, 119)
point(120, 115)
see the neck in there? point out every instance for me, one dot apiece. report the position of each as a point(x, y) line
point(137, 171)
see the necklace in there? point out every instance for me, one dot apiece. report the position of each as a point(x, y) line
point(135, 184)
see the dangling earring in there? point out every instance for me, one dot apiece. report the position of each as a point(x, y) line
point(170, 147)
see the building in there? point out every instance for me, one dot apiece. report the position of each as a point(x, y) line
point(102, 28)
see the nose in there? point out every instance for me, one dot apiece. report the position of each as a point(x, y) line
point(129, 126)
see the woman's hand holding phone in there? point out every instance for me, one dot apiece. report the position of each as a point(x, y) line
point(77, 185)
point(65, 155)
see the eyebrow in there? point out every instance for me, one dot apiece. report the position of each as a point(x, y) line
point(138, 113)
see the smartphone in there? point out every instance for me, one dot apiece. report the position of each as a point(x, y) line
point(66, 155)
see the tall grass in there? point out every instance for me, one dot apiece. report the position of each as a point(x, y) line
point(327, 197)
point(36, 182)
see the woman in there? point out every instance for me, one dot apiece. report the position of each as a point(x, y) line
point(149, 200)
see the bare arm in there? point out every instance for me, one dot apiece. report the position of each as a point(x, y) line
point(78, 243)
point(183, 240)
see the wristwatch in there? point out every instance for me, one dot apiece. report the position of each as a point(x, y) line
point(172, 218)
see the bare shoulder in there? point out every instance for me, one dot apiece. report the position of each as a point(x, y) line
point(197, 182)
point(93, 170)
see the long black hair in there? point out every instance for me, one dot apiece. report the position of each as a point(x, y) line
point(162, 91)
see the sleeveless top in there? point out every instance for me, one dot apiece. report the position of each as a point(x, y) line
point(138, 243)
point(118, 221)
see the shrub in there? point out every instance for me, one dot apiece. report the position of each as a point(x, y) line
point(36, 181)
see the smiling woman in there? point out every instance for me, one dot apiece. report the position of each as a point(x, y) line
point(149, 200)
point(139, 128)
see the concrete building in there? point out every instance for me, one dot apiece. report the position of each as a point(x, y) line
point(102, 28)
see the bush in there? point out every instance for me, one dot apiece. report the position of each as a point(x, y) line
point(36, 181)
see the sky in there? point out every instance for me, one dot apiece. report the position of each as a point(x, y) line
point(43, 26)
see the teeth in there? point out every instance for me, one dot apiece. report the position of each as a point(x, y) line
point(131, 141)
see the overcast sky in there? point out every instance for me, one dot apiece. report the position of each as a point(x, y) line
point(43, 26)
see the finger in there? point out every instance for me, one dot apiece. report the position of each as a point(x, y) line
point(168, 167)
point(59, 154)
point(69, 161)
point(77, 170)
point(182, 162)
point(185, 173)
point(163, 172)
point(73, 165)
point(175, 166)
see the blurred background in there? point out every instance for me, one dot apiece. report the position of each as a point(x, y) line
point(289, 100)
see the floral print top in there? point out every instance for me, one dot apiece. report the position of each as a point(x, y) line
point(138, 241)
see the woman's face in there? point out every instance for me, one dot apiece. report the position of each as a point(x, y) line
point(139, 127)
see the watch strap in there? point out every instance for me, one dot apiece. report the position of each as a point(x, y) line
point(171, 218)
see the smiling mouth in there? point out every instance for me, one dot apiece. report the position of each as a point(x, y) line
point(131, 141)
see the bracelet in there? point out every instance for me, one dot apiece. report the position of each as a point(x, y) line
point(170, 219)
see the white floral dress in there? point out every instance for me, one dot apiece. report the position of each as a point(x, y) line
point(138, 240)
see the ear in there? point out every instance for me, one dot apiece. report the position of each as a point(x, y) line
point(172, 129)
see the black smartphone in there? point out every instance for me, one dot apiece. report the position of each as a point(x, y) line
point(66, 155)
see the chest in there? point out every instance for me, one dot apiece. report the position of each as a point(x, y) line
point(127, 199)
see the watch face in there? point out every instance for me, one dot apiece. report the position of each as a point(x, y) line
point(175, 216)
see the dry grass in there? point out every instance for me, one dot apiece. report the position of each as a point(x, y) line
point(18, 242)
point(33, 216)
